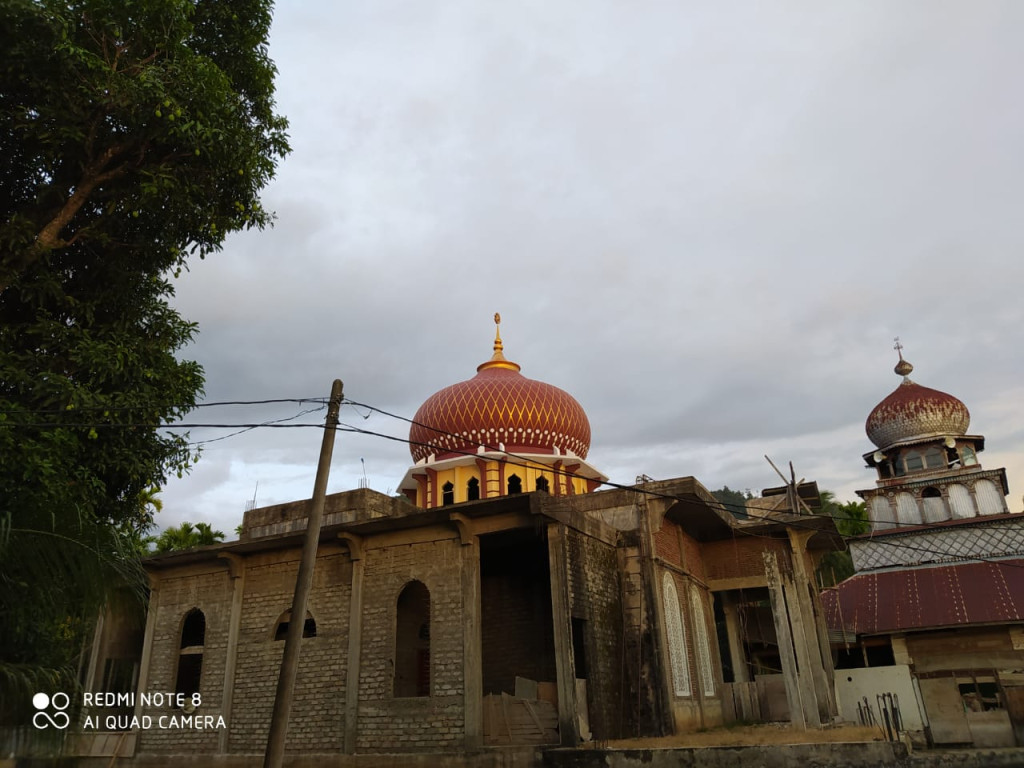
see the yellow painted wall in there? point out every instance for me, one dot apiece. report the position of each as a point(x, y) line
point(460, 475)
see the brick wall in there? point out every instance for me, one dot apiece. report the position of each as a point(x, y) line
point(674, 545)
point(595, 596)
point(742, 556)
point(517, 636)
point(387, 724)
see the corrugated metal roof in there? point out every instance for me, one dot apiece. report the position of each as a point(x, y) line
point(910, 599)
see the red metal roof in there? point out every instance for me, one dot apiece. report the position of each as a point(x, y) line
point(877, 602)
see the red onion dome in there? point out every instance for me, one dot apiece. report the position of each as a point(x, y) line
point(499, 407)
point(913, 412)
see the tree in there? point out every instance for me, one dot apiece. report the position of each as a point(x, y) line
point(733, 501)
point(851, 519)
point(147, 125)
point(187, 536)
point(133, 135)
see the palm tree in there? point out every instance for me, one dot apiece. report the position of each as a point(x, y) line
point(187, 536)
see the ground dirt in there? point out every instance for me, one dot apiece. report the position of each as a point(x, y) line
point(750, 735)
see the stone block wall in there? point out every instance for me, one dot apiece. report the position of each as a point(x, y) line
point(207, 587)
point(437, 721)
point(318, 713)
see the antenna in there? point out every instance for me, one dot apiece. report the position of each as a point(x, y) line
point(251, 504)
point(363, 483)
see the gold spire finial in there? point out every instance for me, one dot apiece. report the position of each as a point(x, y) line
point(903, 368)
point(498, 359)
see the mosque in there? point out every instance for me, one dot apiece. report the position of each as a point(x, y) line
point(935, 611)
point(501, 600)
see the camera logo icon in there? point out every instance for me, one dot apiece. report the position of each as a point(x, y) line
point(43, 719)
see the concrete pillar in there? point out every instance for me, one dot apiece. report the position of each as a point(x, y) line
point(565, 666)
point(147, 645)
point(355, 642)
point(806, 658)
point(473, 671)
point(815, 633)
point(784, 638)
point(737, 651)
point(236, 571)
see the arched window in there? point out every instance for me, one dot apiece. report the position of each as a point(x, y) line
point(934, 505)
point(190, 654)
point(676, 631)
point(473, 489)
point(447, 494)
point(542, 484)
point(960, 501)
point(882, 513)
point(907, 511)
point(308, 626)
point(515, 484)
point(412, 641)
point(990, 499)
point(700, 631)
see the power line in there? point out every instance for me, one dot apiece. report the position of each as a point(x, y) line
point(522, 461)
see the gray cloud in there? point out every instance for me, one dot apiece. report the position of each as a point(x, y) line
point(706, 222)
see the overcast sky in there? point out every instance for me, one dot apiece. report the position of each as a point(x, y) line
point(706, 221)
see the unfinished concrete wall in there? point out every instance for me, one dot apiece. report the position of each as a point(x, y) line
point(595, 600)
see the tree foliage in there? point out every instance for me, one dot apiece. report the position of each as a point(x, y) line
point(851, 519)
point(134, 133)
point(187, 536)
point(733, 501)
point(148, 125)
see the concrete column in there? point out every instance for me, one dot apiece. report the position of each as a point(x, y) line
point(355, 641)
point(565, 667)
point(737, 652)
point(236, 571)
point(472, 664)
point(819, 657)
point(147, 644)
point(784, 638)
point(807, 660)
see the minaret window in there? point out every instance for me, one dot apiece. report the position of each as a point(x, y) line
point(542, 484)
point(515, 485)
point(934, 505)
point(447, 494)
point(914, 461)
point(933, 458)
point(970, 459)
point(473, 489)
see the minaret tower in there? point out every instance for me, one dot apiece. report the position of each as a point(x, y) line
point(927, 464)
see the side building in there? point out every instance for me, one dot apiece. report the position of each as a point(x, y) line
point(935, 610)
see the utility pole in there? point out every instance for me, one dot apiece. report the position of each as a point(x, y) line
point(303, 583)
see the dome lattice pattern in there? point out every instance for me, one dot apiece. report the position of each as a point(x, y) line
point(499, 406)
point(913, 412)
